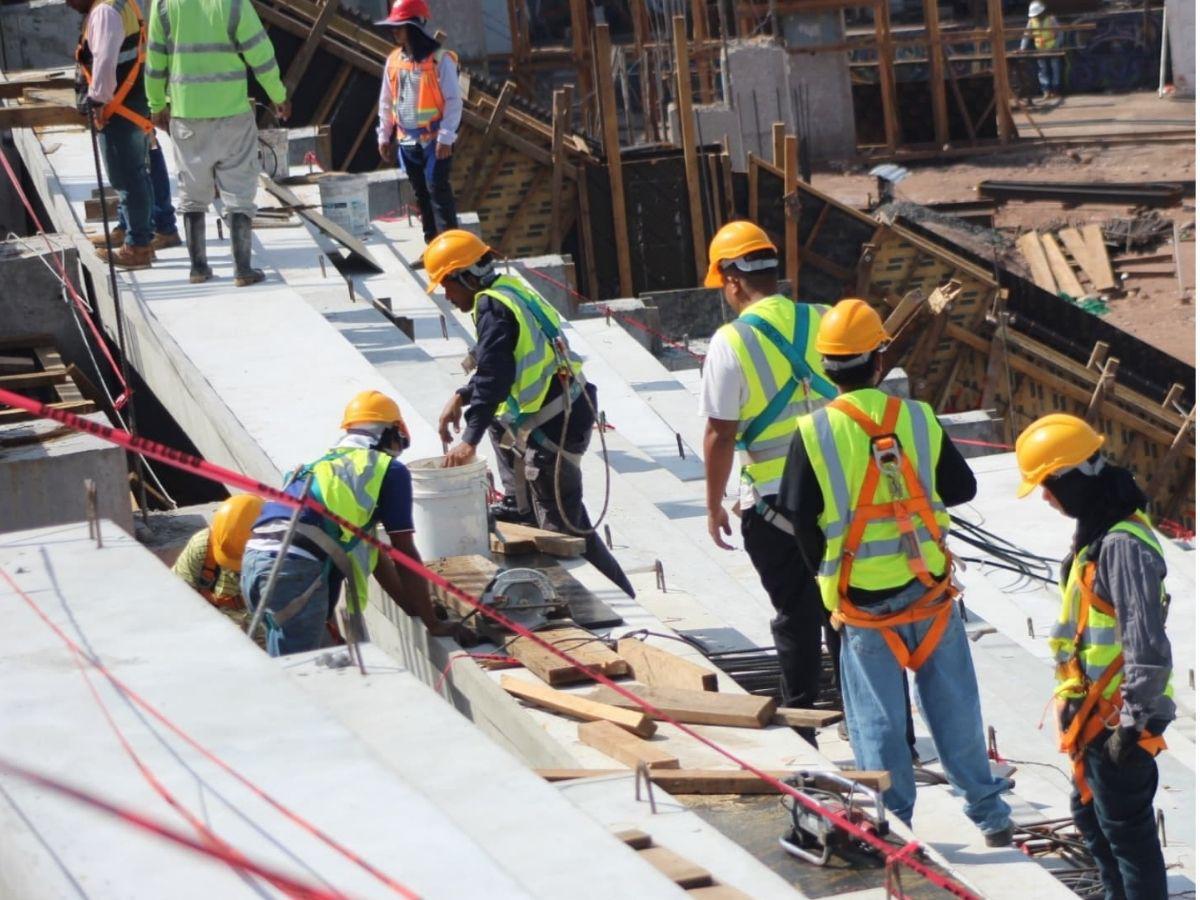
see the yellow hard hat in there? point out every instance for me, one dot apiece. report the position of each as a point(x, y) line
point(370, 407)
point(734, 241)
point(1051, 445)
point(851, 328)
point(231, 526)
point(450, 251)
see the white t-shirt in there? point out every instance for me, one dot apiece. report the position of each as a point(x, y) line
point(723, 390)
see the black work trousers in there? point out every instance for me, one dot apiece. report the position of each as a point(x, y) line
point(1118, 825)
point(800, 616)
point(430, 180)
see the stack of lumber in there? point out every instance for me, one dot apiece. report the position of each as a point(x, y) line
point(1052, 271)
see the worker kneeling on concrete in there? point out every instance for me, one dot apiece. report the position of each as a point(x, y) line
point(867, 482)
point(1110, 645)
point(211, 562)
point(528, 381)
point(362, 481)
point(762, 370)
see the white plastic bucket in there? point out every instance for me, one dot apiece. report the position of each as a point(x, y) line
point(450, 508)
point(273, 151)
point(344, 200)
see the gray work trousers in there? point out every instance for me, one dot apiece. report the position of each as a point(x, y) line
point(217, 153)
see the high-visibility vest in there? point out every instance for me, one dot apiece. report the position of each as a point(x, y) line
point(541, 350)
point(1045, 32)
point(1090, 663)
point(129, 98)
point(347, 480)
point(774, 340)
point(198, 54)
point(841, 454)
point(424, 105)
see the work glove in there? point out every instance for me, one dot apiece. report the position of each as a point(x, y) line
point(1120, 744)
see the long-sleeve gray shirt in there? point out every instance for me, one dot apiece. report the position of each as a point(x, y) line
point(1130, 576)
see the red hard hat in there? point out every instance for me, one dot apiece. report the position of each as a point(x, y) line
point(406, 12)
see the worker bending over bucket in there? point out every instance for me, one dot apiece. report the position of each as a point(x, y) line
point(867, 482)
point(361, 480)
point(1110, 644)
point(527, 379)
point(762, 370)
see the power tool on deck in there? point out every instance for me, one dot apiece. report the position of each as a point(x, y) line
point(813, 837)
point(525, 596)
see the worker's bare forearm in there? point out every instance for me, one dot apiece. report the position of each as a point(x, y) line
point(406, 588)
point(718, 460)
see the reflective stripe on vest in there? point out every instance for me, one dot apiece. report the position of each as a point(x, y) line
point(539, 327)
point(1084, 650)
point(211, 61)
point(416, 92)
point(774, 340)
point(840, 453)
point(1045, 33)
point(348, 480)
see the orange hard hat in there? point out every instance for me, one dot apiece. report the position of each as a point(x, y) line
point(449, 252)
point(734, 241)
point(851, 328)
point(231, 526)
point(1051, 445)
point(370, 407)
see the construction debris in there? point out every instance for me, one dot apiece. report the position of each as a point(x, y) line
point(1144, 231)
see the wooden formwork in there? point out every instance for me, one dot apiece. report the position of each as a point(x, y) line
point(975, 355)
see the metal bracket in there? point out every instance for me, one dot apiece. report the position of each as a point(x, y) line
point(643, 771)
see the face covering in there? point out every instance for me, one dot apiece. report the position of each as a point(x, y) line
point(1096, 502)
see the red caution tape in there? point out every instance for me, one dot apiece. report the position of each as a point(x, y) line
point(196, 466)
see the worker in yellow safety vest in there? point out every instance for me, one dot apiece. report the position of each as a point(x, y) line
point(108, 86)
point(361, 480)
point(420, 108)
point(211, 561)
point(761, 371)
point(1112, 654)
point(1042, 34)
point(866, 485)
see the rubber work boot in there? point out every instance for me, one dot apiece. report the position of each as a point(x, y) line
point(129, 257)
point(117, 234)
point(1001, 838)
point(240, 231)
point(193, 226)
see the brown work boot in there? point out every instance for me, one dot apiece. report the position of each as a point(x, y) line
point(129, 257)
point(164, 241)
point(117, 234)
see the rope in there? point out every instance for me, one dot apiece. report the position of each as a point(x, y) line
point(225, 476)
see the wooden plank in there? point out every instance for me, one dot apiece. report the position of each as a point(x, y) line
point(790, 225)
point(1065, 278)
point(1160, 480)
point(1039, 266)
point(683, 872)
point(582, 645)
point(635, 838)
point(577, 707)
point(697, 707)
point(937, 75)
point(778, 133)
point(716, 781)
point(1098, 252)
point(614, 741)
point(78, 407)
point(656, 667)
point(585, 226)
point(335, 231)
point(475, 183)
point(718, 892)
point(795, 717)
point(580, 43)
point(40, 115)
point(699, 36)
point(1098, 271)
point(560, 112)
point(304, 56)
point(566, 546)
point(1108, 378)
point(687, 131)
point(33, 379)
point(646, 83)
point(1005, 126)
point(333, 93)
point(887, 75)
point(612, 154)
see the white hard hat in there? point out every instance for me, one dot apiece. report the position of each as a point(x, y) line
point(1036, 8)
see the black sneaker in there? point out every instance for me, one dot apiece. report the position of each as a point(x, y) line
point(1001, 838)
point(508, 511)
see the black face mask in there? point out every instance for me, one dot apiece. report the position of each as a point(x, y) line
point(1096, 502)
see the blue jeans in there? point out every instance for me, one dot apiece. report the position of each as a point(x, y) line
point(948, 697)
point(430, 181)
point(162, 213)
point(1050, 74)
point(304, 630)
point(125, 147)
point(1118, 825)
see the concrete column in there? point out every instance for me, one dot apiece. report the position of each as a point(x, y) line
point(1181, 36)
point(826, 78)
point(760, 96)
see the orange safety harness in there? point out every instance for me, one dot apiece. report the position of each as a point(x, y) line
point(1096, 712)
point(117, 106)
point(908, 499)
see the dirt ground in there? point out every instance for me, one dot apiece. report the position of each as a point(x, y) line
point(1153, 307)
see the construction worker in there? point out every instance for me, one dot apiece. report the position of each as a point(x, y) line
point(1042, 33)
point(761, 371)
point(420, 107)
point(866, 485)
point(196, 85)
point(1110, 644)
point(363, 481)
point(526, 379)
point(211, 562)
point(162, 212)
point(108, 86)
